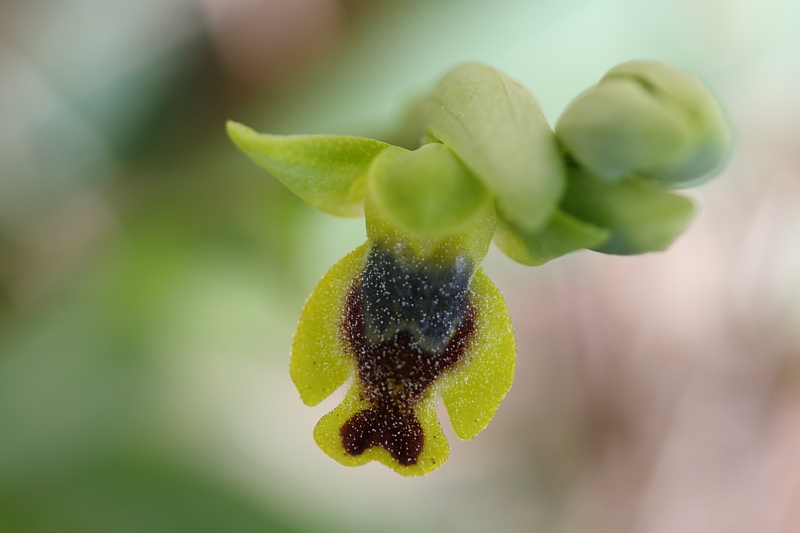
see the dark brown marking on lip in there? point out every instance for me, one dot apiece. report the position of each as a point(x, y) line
point(396, 373)
point(399, 433)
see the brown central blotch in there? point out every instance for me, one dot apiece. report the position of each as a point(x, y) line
point(406, 325)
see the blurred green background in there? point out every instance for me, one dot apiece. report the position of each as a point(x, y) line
point(151, 276)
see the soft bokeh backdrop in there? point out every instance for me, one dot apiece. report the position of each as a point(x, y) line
point(151, 276)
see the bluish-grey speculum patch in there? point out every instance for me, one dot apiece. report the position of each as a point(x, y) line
point(424, 299)
point(406, 322)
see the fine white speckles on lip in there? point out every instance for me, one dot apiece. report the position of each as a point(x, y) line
point(428, 301)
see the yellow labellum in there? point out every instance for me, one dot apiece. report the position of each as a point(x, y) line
point(397, 425)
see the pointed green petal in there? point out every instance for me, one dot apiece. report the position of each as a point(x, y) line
point(473, 392)
point(641, 215)
point(320, 363)
point(563, 234)
point(497, 128)
point(427, 192)
point(435, 450)
point(325, 171)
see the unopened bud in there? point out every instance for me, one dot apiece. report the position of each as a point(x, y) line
point(648, 119)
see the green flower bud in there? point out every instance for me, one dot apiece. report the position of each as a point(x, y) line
point(649, 119)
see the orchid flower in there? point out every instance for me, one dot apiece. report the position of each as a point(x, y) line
point(410, 315)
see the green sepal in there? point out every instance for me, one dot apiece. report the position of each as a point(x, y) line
point(325, 171)
point(563, 234)
point(496, 127)
point(617, 128)
point(641, 215)
point(427, 192)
